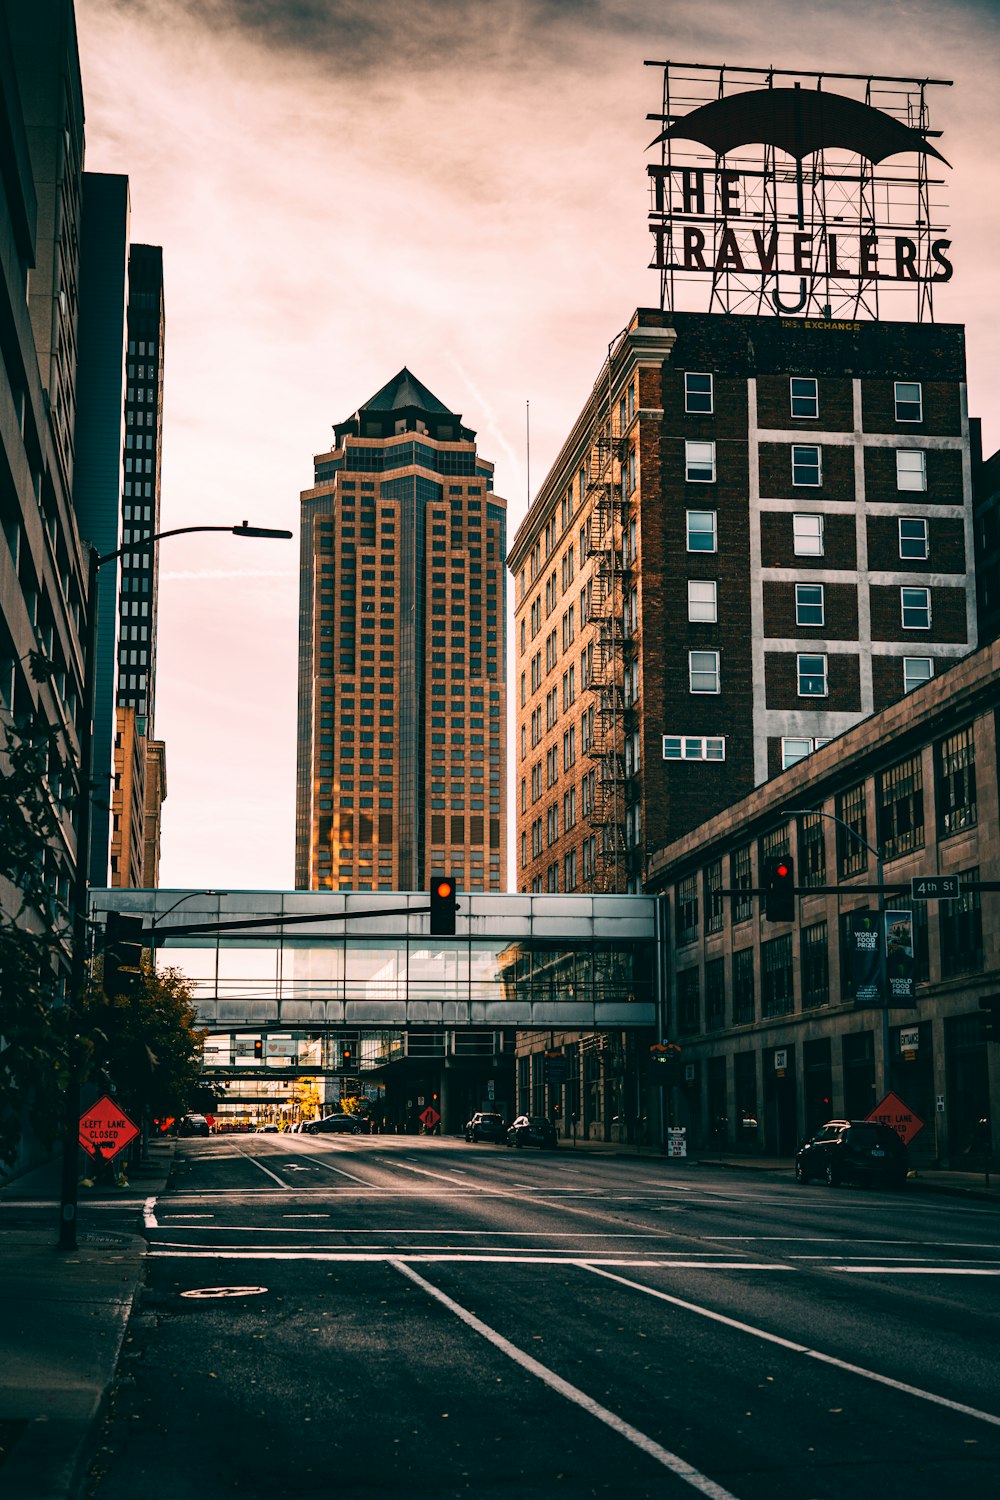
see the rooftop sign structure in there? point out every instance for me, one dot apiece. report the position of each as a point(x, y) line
point(803, 194)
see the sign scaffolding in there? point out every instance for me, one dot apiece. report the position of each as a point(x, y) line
point(809, 195)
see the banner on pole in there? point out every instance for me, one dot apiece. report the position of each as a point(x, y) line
point(900, 967)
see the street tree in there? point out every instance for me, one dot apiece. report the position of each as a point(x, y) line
point(147, 1044)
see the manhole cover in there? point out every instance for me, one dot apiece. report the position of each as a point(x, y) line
point(226, 1291)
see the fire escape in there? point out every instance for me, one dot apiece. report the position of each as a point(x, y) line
point(615, 653)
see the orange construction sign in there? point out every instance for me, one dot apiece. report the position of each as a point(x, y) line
point(898, 1116)
point(105, 1129)
point(430, 1117)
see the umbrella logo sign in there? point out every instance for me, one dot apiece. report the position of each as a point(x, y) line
point(801, 193)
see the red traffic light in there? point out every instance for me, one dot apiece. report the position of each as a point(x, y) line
point(443, 906)
point(444, 888)
point(782, 871)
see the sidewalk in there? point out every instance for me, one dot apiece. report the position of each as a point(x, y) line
point(62, 1321)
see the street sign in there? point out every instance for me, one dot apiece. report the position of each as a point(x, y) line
point(677, 1140)
point(898, 1116)
point(430, 1117)
point(780, 1059)
point(909, 1038)
point(105, 1129)
point(556, 1067)
point(934, 887)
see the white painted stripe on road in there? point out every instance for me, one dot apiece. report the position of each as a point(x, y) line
point(795, 1348)
point(176, 1249)
point(247, 1157)
point(319, 1162)
point(148, 1216)
point(640, 1440)
point(930, 1270)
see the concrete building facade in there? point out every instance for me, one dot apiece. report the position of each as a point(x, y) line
point(401, 725)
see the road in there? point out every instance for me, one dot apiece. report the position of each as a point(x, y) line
point(395, 1316)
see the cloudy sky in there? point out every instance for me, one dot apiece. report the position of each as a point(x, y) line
point(342, 187)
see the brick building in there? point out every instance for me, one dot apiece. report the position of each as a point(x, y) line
point(986, 507)
point(401, 727)
point(773, 1043)
point(758, 532)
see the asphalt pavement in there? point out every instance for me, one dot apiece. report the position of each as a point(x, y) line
point(64, 1316)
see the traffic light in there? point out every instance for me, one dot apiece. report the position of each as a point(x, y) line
point(346, 1054)
point(443, 906)
point(122, 955)
point(990, 1006)
point(258, 1047)
point(779, 889)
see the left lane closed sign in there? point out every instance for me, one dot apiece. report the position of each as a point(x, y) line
point(105, 1129)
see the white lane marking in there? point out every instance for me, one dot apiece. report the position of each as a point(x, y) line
point(930, 1270)
point(342, 1173)
point(148, 1215)
point(440, 1176)
point(247, 1157)
point(640, 1440)
point(187, 1218)
point(177, 1249)
point(795, 1348)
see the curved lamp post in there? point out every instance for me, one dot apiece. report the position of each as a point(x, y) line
point(96, 561)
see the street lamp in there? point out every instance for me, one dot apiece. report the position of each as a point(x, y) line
point(808, 812)
point(81, 887)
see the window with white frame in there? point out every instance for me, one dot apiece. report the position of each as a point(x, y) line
point(809, 604)
point(694, 747)
point(699, 462)
point(807, 536)
point(701, 531)
point(804, 396)
point(913, 537)
point(811, 673)
point(916, 670)
point(915, 606)
point(911, 469)
point(703, 670)
point(909, 401)
point(698, 393)
point(807, 464)
point(794, 749)
point(703, 600)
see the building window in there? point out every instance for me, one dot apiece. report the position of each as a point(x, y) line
point(909, 401)
point(955, 761)
point(715, 994)
point(777, 986)
point(698, 393)
point(743, 988)
point(916, 670)
point(701, 530)
point(814, 959)
point(811, 672)
point(911, 469)
point(794, 749)
point(741, 879)
point(693, 747)
point(913, 537)
point(807, 464)
point(714, 900)
point(807, 536)
point(805, 396)
point(687, 910)
point(809, 604)
point(915, 607)
point(852, 839)
point(812, 850)
point(703, 669)
point(688, 1002)
point(962, 929)
point(699, 462)
point(901, 808)
point(703, 600)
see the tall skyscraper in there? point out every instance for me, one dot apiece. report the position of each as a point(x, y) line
point(401, 755)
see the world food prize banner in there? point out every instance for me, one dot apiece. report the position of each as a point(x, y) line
point(865, 964)
point(900, 968)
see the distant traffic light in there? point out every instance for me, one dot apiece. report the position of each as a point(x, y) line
point(346, 1054)
point(122, 955)
point(990, 1006)
point(779, 889)
point(258, 1047)
point(443, 906)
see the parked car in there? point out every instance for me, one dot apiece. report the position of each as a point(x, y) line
point(193, 1125)
point(268, 1130)
point(335, 1125)
point(532, 1130)
point(485, 1125)
point(853, 1150)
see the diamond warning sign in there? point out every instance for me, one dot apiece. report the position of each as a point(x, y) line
point(898, 1116)
point(105, 1129)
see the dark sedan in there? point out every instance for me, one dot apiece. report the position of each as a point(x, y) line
point(335, 1125)
point(853, 1151)
point(485, 1125)
point(532, 1130)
